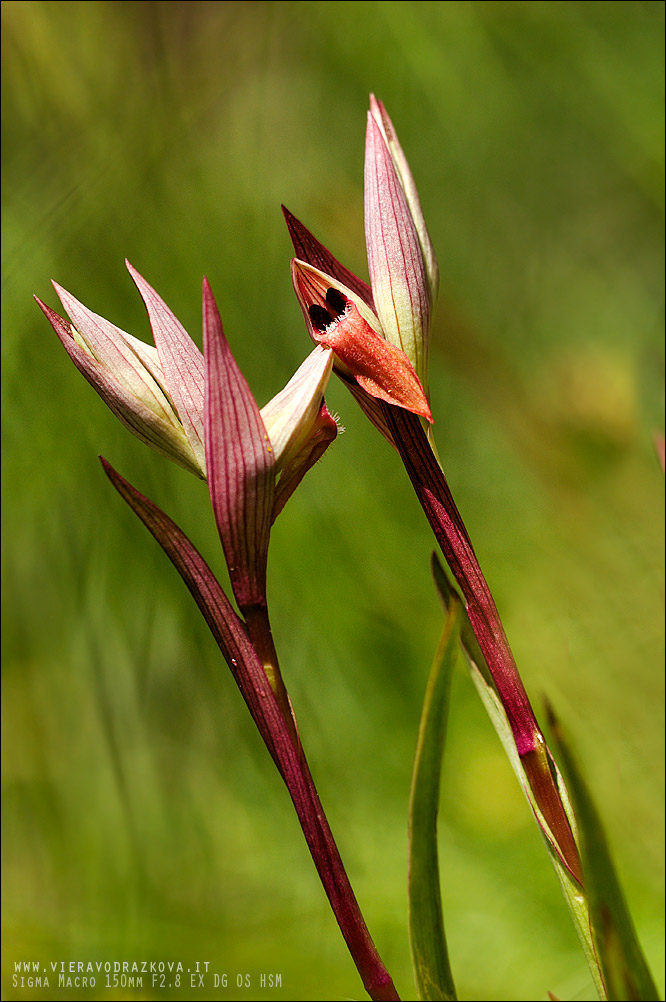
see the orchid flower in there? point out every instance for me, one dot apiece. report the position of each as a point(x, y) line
point(158, 391)
point(380, 337)
point(380, 334)
point(199, 411)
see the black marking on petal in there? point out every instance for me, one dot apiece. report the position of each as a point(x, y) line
point(336, 301)
point(319, 317)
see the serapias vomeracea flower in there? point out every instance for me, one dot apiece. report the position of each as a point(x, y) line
point(199, 410)
point(158, 391)
point(380, 334)
point(354, 319)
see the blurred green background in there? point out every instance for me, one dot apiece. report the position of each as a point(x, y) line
point(143, 818)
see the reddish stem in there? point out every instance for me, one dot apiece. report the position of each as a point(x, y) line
point(274, 722)
point(323, 849)
point(446, 522)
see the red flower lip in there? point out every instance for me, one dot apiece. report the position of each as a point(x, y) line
point(340, 320)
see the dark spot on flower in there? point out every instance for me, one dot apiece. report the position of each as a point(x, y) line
point(319, 317)
point(336, 301)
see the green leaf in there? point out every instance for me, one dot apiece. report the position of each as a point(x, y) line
point(623, 965)
point(574, 894)
point(430, 959)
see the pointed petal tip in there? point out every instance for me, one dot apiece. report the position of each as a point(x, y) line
point(58, 323)
point(134, 273)
point(381, 119)
point(46, 310)
point(137, 277)
point(211, 313)
point(293, 224)
point(141, 283)
point(379, 108)
point(291, 221)
point(112, 473)
point(427, 414)
point(66, 297)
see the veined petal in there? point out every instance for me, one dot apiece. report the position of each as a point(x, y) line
point(120, 354)
point(291, 414)
point(322, 432)
point(338, 319)
point(180, 360)
point(163, 433)
point(240, 462)
point(309, 249)
point(380, 115)
point(395, 260)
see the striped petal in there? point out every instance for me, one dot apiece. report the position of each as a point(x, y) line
point(380, 115)
point(240, 462)
point(181, 362)
point(322, 432)
point(103, 354)
point(289, 417)
point(395, 260)
point(134, 364)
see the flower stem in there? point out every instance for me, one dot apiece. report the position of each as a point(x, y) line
point(316, 829)
point(435, 497)
point(275, 724)
point(324, 851)
point(261, 637)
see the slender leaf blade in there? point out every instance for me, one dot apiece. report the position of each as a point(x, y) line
point(432, 971)
point(623, 964)
point(223, 622)
point(574, 894)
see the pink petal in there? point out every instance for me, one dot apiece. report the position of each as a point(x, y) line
point(240, 463)
point(181, 361)
point(141, 420)
point(380, 115)
point(111, 347)
point(395, 260)
point(322, 434)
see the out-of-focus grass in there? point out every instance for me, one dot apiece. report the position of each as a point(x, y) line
point(143, 819)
